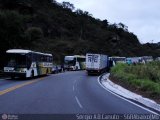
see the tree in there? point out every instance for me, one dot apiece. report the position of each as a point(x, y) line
point(68, 5)
point(11, 30)
point(123, 26)
point(79, 12)
point(33, 34)
point(105, 22)
point(84, 13)
point(87, 13)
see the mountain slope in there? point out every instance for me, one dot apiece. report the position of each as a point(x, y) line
point(48, 26)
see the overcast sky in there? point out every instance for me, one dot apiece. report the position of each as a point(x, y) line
point(141, 16)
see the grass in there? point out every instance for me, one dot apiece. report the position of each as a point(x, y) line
point(144, 77)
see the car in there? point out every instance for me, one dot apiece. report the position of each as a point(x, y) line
point(56, 69)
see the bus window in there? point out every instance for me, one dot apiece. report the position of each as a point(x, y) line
point(17, 60)
point(29, 60)
point(81, 59)
point(11, 60)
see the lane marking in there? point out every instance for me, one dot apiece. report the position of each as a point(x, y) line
point(75, 82)
point(74, 85)
point(125, 98)
point(18, 86)
point(78, 102)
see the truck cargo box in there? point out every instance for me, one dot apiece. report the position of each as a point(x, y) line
point(96, 63)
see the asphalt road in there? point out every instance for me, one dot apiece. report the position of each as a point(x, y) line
point(64, 93)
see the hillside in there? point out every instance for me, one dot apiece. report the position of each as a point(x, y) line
point(48, 26)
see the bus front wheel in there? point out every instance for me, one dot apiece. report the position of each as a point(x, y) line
point(46, 71)
point(32, 73)
point(12, 77)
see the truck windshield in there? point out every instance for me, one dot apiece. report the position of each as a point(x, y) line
point(16, 60)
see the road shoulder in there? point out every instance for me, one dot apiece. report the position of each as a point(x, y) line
point(117, 89)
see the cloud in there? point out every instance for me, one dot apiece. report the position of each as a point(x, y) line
point(141, 16)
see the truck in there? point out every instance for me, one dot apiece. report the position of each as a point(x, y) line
point(96, 63)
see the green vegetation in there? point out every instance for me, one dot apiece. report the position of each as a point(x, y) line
point(143, 77)
point(60, 29)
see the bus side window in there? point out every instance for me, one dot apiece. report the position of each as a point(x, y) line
point(33, 57)
point(41, 58)
point(47, 58)
point(29, 59)
point(51, 59)
point(38, 58)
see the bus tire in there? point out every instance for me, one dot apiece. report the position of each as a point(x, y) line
point(76, 68)
point(88, 73)
point(47, 71)
point(13, 77)
point(32, 73)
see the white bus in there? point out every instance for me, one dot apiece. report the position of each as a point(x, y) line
point(117, 59)
point(27, 63)
point(147, 58)
point(76, 62)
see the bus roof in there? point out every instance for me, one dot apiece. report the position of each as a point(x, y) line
point(73, 56)
point(80, 56)
point(22, 51)
point(117, 57)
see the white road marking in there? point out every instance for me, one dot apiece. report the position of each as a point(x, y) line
point(73, 87)
point(78, 102)
point(125, 98)
point(75, 81)
point(74, 84)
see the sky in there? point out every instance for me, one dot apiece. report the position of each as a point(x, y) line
point(141, 16)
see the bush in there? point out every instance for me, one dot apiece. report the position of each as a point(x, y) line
point(145, 77)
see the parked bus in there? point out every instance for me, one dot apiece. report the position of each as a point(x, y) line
point(134, 60)
point(27, 63)
point(76, 62)
point(117, 59)
point(147, 58)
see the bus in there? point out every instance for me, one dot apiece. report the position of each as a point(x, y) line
point(118, 59)
point(75, 62)
point(135, 60)
point(27, 63)
point(147, 58)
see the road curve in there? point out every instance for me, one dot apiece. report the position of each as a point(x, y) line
point(64, 93)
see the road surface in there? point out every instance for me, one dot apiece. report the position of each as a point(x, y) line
point(64, 93)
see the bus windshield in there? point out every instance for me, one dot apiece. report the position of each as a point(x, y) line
point(17, 60)
point(81, 59)
point(70, 62)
